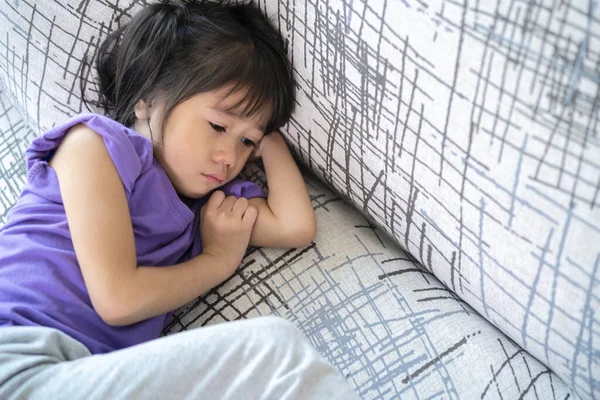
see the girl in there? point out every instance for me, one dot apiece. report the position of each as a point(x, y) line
point(127, 218)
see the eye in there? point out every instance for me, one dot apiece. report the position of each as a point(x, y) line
point(248, 143)
point(217, 128)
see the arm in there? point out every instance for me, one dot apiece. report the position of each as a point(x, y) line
point(286, 218)
point(98, 216)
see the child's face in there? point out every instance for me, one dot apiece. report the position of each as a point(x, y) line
point(203, 146)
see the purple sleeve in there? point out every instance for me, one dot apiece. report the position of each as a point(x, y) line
point(240, 188)
point(129, 151)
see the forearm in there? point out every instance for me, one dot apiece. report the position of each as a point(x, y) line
point(288, 198)
point(152, 291)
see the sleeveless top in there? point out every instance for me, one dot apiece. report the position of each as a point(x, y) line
point(40, 280)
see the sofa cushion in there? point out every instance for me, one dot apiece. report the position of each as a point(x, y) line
point(390, 326)
point(367, 306)
point(468, 134)
point(469, 131)
point(15, 137)
point(42, 45)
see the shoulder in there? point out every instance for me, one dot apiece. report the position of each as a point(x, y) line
point(82, 137)
point(79, 150)
point(92, 134)
point(80, 140)
point(114, 133)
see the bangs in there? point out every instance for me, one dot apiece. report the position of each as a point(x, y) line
point(233, 49)
point(264, 77)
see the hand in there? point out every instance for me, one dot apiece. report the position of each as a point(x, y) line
point(273, 139)
point(225, 228)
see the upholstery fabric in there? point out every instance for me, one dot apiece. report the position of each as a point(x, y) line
point(15, 137)
point(470, 132)
point(389, 325)
point(467, 131)
point(386, 323)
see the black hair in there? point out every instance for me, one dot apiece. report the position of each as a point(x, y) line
point(178, 49)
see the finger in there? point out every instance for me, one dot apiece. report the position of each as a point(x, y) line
point(240, 207)
point(216, 199)
point(250, 215)
point(228, 203)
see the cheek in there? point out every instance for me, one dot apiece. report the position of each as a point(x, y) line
point(245, 154)
point(183, 144)
point(241, 161)
point(176, 154)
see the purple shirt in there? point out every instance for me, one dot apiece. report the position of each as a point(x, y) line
point(40, 280)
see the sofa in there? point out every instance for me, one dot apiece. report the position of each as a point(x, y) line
point(452, 154)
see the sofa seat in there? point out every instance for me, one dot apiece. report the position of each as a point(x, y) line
point(369, 307)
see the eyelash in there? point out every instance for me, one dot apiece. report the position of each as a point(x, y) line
point(220, 129)
point(248, 143)
point(217, 128)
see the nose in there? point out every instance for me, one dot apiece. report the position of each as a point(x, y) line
point(225, 153)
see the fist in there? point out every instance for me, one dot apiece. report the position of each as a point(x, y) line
point(225, 227)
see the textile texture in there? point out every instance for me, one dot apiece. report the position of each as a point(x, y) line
point(215, 363)
point(370, 308)
point(465, 131)
point(470, 132)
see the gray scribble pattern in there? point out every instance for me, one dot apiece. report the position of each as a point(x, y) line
point(467, 131)
point(15, 136)
point(386, 322)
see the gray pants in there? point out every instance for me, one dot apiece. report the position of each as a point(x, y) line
point(260, 358)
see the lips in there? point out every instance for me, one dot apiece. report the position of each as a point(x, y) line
point(216, 178)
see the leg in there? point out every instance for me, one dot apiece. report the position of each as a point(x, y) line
point(260, 358)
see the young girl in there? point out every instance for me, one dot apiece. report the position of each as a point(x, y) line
point(127, 218)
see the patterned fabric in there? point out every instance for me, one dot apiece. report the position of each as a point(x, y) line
point(390, 326)
point(15, 137)
point(470, 132)
point(467, 132)
point(387, 323)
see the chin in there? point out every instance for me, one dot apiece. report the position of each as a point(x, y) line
point(194, 194)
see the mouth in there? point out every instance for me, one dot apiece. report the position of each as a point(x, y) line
point(213, 178)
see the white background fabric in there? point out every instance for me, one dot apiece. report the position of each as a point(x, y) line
point(467, 131)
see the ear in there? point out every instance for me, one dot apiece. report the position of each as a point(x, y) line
point(142, 110)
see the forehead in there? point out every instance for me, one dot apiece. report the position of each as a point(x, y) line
point(236, 104)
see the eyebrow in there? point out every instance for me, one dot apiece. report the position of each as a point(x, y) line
point(237, 115)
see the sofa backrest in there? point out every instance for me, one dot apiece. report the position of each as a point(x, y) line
point(469, 132)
